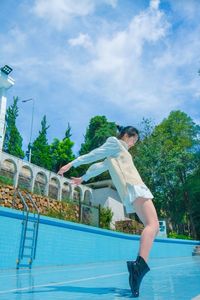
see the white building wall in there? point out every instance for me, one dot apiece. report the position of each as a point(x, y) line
point(108, 197)
point(10, 161)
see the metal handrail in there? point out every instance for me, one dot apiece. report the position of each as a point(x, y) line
point(21, 197)
point(34, 205)
point(25, 222)
point(23, 234)
point(37, 224)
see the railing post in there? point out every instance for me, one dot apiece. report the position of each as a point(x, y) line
point(80, 211)
point(99, 215)
point(16, 178)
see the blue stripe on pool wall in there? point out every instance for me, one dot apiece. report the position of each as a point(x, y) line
point(63, 242)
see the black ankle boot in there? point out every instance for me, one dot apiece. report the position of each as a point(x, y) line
point(137, 269)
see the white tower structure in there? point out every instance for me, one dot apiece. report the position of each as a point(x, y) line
point(6, 82)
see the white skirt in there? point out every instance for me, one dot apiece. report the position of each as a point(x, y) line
point(135, 191)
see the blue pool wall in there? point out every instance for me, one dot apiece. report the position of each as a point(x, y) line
point(63, 242)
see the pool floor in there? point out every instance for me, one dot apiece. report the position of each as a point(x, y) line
point(169, 279)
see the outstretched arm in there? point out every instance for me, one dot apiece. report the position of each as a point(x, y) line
point(93, 171)
point(109, 148)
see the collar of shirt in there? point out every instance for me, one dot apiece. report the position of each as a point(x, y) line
point(124, 144)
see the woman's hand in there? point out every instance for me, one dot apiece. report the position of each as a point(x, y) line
point(64, 169)
point(76, 180)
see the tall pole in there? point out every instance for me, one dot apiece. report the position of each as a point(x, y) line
point(6, 82)
point(3, 101)
point(30, 142)
point(30, 153)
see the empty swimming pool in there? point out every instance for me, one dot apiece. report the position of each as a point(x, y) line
point(75, 261)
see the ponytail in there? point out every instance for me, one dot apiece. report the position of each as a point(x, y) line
point(119, 128)
point(129, 130)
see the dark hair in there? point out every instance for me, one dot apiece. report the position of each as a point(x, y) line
point(129, 130)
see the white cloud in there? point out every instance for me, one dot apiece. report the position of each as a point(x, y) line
point(14, 38)
point(145, 68)
point(116, 53)
point(82, 40)
point(187, 10)
point(154, 4)
point(116, 69)
point(59, 12)
point(142, 67)
point(113, 3)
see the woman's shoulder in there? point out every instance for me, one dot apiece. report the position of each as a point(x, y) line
point(118, 143)
point(112, 140)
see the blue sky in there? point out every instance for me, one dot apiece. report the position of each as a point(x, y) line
point(125, 59)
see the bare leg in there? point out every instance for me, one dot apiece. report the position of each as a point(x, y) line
point(146, 212)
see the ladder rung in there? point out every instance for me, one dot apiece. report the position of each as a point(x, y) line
point(32, 220)
point(28, 247)
point(23, 265)
point(29, 238)
point(29, 229)
point(29, 256)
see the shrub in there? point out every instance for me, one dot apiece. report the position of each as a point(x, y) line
point(129, 226)
point(175, 235)
point(66, 211)
point(106, 215)
point(6, 180)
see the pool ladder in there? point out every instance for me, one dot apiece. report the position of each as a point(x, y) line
point(29, 231)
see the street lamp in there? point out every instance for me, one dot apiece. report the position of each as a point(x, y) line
point(6, 82)
point(6, 70)
point(30, 143)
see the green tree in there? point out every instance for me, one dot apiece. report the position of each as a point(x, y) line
point(98, 131)
point(61, 152)
point(192, 187)
point(13, 140)
point(41, 155)
point(165, 159)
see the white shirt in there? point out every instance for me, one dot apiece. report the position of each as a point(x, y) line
point(109, 149)
point(118, 161)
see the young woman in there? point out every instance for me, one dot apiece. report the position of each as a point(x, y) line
point(134, 194)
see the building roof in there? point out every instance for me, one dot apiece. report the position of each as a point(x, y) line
point(101, 184)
